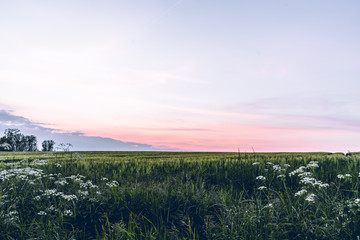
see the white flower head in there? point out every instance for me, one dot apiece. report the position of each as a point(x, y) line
point(301, 192)
point(312, 164)
point(71, 197)
point(297, 171)
point(68, 213)
point(112, 184)
point(304, 174)
point(270, 205)
point(260, 178)
point(277, 168)
point(37, 198)
point(61, 182)
point(42, 213)
point(311, 198)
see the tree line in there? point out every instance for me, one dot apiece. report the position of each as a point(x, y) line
point(13, 140)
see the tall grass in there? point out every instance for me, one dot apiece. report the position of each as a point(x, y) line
point(152, 195)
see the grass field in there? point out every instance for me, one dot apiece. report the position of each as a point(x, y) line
point(169, 195)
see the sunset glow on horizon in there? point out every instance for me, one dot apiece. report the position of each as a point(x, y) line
point(185, 75)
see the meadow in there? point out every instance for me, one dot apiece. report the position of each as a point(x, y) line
point(179, 195)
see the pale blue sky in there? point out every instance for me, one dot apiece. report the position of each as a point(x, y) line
point(202, 75)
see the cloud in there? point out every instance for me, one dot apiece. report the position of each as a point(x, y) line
point(79, 140)
point(8, 120)
point(178, 129)
point(301, 113)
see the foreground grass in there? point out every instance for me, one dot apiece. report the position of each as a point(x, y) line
point(153, 195)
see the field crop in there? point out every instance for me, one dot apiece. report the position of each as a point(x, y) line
point(170, 195)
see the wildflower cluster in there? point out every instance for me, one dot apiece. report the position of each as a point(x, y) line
point(310, 183)
point(273, 171)
point(49, 194)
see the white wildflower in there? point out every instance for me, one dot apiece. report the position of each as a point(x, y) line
point(83, 193)
point(301, 192)
point(260, 178)
point(61, 182)
point(308, 180)
point(261, 188)
point(69, 197)
point(312, 164)
point(51, 208)
point(311, 198)
point(270, 205)
point(57, 165)
point(277, 168)
point(88, 184)
point(323, 185)
point(255, 163)
point(37, 198)
point(42, 213)
point(297, 171)
point(71, 177)
point(354, 203)
point(304, 174)
point(112, 184)
point(270, 163)
point(50, 192)
point(11, 217)
point(313, 182)
point(68, 213)
point(340, 176)
point(38, 162)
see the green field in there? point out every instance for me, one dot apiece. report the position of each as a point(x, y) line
point(171, 195)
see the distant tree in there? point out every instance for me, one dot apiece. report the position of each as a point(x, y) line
point(14, 137)
point(48, 145)
point(31, 143)
point(15, 141)
point(5, 147)
point(2, 140)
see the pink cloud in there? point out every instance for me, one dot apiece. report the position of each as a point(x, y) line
point(231, 136)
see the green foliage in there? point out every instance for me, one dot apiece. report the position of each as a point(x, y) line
point(168, 195)
point(15, 141)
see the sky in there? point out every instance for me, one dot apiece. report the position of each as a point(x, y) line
point(183, 74)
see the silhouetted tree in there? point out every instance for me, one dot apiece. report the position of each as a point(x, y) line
point(15, 141)
point(14, 138)
point(48, 145)
point(30, 143)
point(5, 147)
